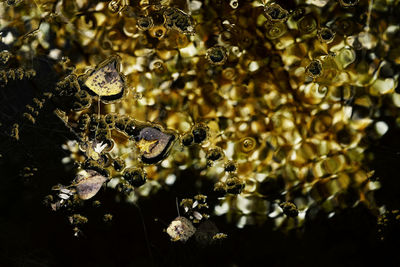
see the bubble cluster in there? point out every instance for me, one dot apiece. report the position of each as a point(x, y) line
point(274, 102)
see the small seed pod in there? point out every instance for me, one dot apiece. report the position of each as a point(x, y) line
point(68, 86)
point(11, 74)
point(101, 134)
point(289, 209)
point(158, 32)
point(230, 166)
point(219, 236)
point(201, 198)
point(200, 133)
point(29, 74)
point(108, 144)
point(220, 188)
point(215, 154)
point(229, 73)
point(121, 122)
point(247, 144)
point(145, 23)
point(307, 24)
point(187, 139)
point(82, 100)
point(77, 219)
point(298, 13)
point(275, 13)
point(37, 103)
point(15, 131)
point(4, 56)
point(216, 55)
point(30, 108)
point(314, 69)
point(93, 165)
point(94, 121)
point(235, 185)
point(107, 217)
point(83, 122)
point(345, 26)
point(82, 94)
point(158, 67)
point(19, 73)
point(124, 187)
point(178, 20)
point(118, 164)
point(275, 30)
point(110, 119)
point(131, 128)
point(326, 35)
point(29, 117)
point(3, 78)
point(134, 176)
point(102, 125)
point(114, 6)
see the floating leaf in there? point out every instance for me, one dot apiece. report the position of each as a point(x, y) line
point(154, 144)
point(89, 186)
point(181, 229)
point(106, 80)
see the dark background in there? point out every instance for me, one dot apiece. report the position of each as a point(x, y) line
point(33, 235)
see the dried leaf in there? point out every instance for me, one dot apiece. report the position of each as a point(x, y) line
point(88, 188)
